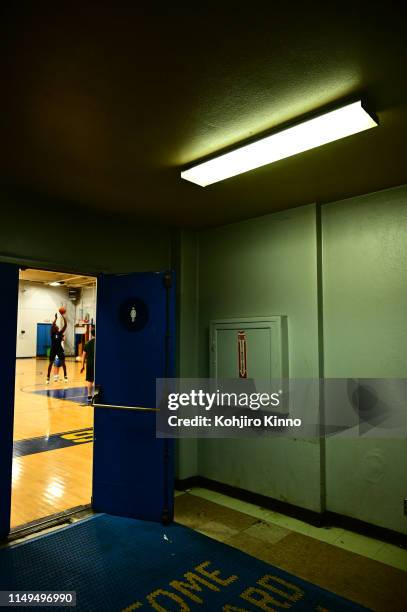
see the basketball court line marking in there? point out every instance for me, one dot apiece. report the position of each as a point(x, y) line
point(70, 394)
point(42, 444)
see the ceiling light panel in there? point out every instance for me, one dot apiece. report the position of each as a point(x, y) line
point(325, 128)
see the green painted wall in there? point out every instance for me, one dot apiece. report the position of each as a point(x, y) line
point(365, 331)
point(262, 267)
point(268, 266)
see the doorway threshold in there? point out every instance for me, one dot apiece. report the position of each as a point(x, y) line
point(48, 523)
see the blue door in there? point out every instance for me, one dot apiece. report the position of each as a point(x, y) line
point(43, 338)
point(8, 316)
point(132, 469)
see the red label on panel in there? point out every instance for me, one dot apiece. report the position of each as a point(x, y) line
point(242, 354)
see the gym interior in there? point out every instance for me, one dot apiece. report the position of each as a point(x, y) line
point(104, 111)
point(54, 415)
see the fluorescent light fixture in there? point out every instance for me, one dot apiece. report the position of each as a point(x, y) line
point(330, 126)
point(55, 284)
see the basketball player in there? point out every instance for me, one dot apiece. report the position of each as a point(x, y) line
point(88, 355)
point(57, 364)
point(57, 336)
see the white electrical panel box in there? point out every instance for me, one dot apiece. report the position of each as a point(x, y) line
point(252, 347)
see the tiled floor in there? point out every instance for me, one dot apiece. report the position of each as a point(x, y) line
point(348, 540)
point(361, 569)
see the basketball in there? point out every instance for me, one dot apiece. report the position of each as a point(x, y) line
point(62, 310)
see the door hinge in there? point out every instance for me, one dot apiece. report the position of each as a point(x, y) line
point(167, 280)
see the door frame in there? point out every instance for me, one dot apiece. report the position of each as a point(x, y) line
point(8, 312)
point(8, 362)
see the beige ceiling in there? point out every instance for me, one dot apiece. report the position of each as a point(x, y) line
point(104, 102)
point(45, 277)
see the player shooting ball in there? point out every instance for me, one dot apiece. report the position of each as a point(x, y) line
point(57, 336)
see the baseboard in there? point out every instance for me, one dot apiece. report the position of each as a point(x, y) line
point(368, 529)
point(325, 519)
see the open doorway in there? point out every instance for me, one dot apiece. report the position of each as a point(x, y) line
point(53, 419)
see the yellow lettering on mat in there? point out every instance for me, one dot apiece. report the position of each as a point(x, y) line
point(192, 584)
point(214, 575)
point(204, 577)
point(263, 600)
point(268, 579)
point(152, 600)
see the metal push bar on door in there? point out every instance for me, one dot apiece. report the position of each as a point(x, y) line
point(137, 408)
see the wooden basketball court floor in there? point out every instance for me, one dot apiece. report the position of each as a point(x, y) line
point(53, 433)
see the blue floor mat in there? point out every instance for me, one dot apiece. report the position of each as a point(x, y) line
point(117, 563)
